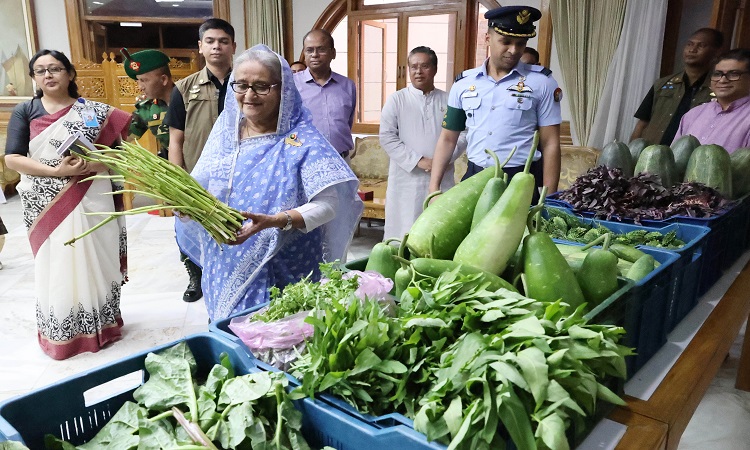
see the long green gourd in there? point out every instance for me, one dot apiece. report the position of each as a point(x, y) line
point(493, 242)
point(428, 267)
point(443, 224)
point(492, 190)
point(547, 275)
point(598, 274)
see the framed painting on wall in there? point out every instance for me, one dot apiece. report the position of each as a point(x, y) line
point(17, 44)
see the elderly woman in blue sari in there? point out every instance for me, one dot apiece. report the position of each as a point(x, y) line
point(265, 157)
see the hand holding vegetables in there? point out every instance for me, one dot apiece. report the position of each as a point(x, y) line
point(160, 180)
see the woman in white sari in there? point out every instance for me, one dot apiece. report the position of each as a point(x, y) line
point(77, 287)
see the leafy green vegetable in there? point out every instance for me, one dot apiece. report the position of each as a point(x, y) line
point(305, 294)
point(248, 411)
point(473, 368)
point(560, 224)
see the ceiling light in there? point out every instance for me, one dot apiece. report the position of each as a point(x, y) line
point(131, 24)
point(97, 3)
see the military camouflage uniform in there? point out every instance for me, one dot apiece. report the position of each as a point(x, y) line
point(148, 115)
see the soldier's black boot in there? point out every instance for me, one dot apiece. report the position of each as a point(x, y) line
point(194, 291)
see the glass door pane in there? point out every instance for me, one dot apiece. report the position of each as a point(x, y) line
point(340, 62)
point(437, 31)
point(483, 50)
point(377, 61)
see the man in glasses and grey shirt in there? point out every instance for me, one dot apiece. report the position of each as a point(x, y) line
point(330, 97)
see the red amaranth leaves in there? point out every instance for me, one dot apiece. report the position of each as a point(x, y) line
point(607, 193)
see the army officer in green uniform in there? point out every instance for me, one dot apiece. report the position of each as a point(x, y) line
point(150, 68)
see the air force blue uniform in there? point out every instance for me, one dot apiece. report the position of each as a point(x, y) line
point(500, 115)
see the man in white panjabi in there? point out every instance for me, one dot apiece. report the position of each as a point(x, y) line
point(410, 124)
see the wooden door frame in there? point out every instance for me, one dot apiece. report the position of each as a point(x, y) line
point(723, 14)
point(81, 45)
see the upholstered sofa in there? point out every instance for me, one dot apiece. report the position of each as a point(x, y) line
point(370, 163)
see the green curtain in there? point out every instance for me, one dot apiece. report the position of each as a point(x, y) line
point(586, 36)
point(264, 24)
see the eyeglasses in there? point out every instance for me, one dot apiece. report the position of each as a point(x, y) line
point(40, 71)
point(732, 75)
point(259, 88)
point(321, 50)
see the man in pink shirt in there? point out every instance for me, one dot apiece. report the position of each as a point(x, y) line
point(726, 120)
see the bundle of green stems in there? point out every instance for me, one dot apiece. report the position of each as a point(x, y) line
point(174, 189)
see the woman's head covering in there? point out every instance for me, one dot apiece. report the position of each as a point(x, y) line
point(291, 110)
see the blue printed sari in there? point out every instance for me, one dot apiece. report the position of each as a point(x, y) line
point(268, 174)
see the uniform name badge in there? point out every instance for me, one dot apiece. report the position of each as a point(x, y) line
point(89, 118)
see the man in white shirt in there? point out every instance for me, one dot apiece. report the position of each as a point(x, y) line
point(410, 124)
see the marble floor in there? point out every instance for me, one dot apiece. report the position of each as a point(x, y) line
point(154, 313)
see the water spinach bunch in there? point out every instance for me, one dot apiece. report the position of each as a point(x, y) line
point(527, 371)
point(361, 354)
point(172, 186)
point(174, 411)
point(473, 367)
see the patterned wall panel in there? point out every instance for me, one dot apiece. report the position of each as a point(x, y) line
point(92, 87)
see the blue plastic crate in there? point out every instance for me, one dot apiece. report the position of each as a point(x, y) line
point(642, 310)
point(724, 243)
point(687, 270)
point(395, 428)
point(60, 409)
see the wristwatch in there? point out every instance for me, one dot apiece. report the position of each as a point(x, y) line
point(288, 225)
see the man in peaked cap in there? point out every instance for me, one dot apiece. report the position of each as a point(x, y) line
point(150, 68)
point(502, 103)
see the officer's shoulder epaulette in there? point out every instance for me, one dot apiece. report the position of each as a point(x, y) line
point(541, 69)
point(143, 103)
point(466, 73)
